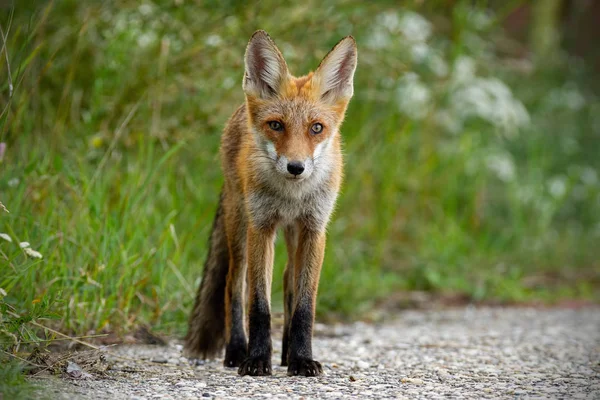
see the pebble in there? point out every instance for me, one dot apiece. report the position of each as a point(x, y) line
point(415, 381)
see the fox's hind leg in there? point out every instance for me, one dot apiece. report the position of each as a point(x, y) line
point(237, 345)
point(291, 242)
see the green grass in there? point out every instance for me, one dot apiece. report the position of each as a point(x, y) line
point(112, 171)
point(12, 382)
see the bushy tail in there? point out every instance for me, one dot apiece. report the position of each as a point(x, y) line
point(206, 331)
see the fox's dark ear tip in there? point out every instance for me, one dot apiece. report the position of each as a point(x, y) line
point(259, 33)
point(349, 38)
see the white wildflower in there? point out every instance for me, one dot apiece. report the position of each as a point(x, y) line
point(213, 40)
point(589, 176)
point(379, 39)
point(490, 99)
point(2, 292)
point(414, 27)
point(228, 82)
point(120, 24)
point(479, 18)
point(502, 165)
point(146, 9)
point(438, 65)
point(557, 186)
point(232, 22)
point(3, 208)
point(389, 20)
point(13, 182)
point(32, 253)
point(24, 245)
point(134, 24)
point(288, 51)
point(419, 51)
point(463, 69)
point(146, 39)
point(6, 237)
point(477, 45)
point(525, 193)
point(413, 96)
point(566, 97)
point(388, 82)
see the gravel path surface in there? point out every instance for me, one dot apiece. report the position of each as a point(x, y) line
point(456, 353)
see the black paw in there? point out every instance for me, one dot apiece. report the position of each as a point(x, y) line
point(234, 355)
point(304, 367)
point(256, 366)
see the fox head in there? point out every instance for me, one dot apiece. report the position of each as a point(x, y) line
point(294, 121)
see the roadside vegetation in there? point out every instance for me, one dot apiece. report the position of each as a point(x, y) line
point(471, 166)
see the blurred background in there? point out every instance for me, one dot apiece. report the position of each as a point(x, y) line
point(472, 153)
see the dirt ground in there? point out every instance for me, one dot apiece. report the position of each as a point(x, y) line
point(463, 352)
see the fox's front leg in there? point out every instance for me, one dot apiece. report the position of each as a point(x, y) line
point(260, 273)
point(291, 242)
point(307, 269)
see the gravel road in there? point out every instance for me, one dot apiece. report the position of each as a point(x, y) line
point(457, 353)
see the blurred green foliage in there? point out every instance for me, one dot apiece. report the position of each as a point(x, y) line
point(13, 384)
point(470, 169)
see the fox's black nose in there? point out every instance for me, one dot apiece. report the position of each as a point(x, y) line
point(295, 167)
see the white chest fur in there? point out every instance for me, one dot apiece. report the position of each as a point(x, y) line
point(267, 207)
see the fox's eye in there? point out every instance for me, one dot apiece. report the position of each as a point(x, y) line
point(316, 128)
point(275, 125)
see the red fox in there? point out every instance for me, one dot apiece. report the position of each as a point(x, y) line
point(282, 161)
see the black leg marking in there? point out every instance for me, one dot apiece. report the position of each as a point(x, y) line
point(289, 299)
point(258, 362)
point(237, 347)
point(300, 360)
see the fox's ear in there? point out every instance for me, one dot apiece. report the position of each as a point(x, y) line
point(265, 67)
point(335, 75)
